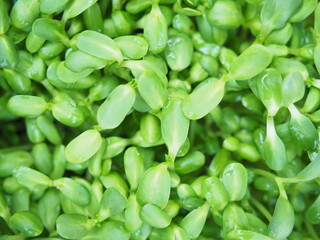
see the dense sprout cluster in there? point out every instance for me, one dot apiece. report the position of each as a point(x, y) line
point(159, 119)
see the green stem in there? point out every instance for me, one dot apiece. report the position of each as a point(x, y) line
point(49, 87)
point(282, 190)
point(280, 181)
point(261, 208)
point(292, 180)
point(311, 231)
point(265, 173)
